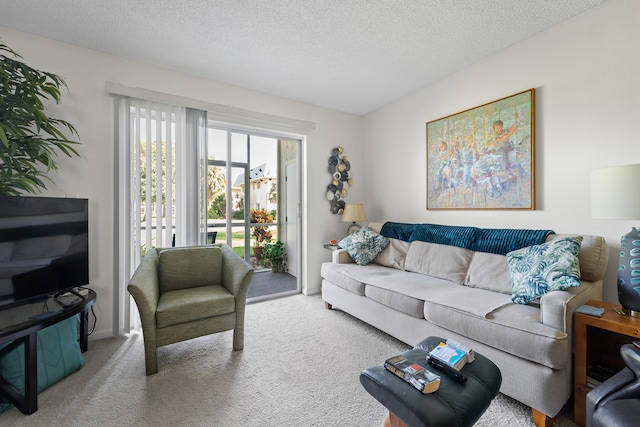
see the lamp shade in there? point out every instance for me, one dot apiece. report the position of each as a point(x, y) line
point(353, 213)
point(614, 192)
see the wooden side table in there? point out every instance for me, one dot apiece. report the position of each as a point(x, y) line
point(598, 340)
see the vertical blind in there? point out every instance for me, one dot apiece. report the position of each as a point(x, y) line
point(161, 150)
point(158, 153)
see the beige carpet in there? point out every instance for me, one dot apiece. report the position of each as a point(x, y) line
point(299, 367)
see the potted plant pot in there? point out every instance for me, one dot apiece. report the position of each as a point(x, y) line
point(257, 252)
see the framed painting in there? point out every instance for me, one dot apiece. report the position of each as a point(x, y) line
point(483, 158)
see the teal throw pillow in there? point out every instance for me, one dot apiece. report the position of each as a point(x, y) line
point(364, 245)
point(551, 266)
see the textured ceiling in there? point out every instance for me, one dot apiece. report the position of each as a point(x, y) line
point(348, 55)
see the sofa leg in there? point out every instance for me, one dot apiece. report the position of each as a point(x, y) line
point(327, 306)
point(393, 421)
point(540, 419)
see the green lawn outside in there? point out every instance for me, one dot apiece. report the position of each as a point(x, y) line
point(237, 240)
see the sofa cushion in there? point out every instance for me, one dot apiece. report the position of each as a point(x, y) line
point(397, 300)
point(180, 268)
point(364, 245)
point(442, 261)
point(471, 301)
point(394, 255)
point(185, 305)
point(490, 272)
point(341, 275)
point(415, 286)
point(376, 226)
point(538, 269)
point(594, 256)
point(512, 328)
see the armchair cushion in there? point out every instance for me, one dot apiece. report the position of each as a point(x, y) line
point(186, 305)
point(181, 268)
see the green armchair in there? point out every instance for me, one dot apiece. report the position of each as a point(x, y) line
point(184, 293)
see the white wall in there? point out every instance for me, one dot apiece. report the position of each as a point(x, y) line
point(586, 73)
point(90, 109)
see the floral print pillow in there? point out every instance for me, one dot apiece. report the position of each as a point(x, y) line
point(551, 266)
point(364, 245)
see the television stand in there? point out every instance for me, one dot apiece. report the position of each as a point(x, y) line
point(21, 324)
point(68, 298)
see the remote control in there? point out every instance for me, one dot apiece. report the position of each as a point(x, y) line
point(456, 375)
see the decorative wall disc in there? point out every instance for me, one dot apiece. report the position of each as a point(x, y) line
point(340, 170)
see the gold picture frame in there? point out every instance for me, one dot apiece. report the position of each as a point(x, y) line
point(484, 157)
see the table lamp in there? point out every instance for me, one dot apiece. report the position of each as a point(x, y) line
point(615, 195)
point(354, 212)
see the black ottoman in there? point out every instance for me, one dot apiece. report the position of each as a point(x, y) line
point(453, 404)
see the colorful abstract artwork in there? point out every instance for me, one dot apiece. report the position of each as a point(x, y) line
point(483, 158)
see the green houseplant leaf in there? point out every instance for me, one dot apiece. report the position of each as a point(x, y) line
point(30, 140)
point(274, 253)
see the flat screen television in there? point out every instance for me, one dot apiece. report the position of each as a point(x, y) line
point(44, 246)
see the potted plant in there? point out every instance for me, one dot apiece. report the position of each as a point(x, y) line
point(29, 138)
point(273, 253)
point(261, 233)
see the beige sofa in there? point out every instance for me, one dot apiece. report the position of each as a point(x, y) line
point(417, 289)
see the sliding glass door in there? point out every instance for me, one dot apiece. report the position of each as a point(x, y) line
point(251, 198)
point(227, 179)
point(183, 181)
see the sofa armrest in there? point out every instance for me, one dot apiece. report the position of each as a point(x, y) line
point(557, 307)
point(341, 256)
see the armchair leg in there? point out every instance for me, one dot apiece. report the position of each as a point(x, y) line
point(151, 362)
point(238, 339)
